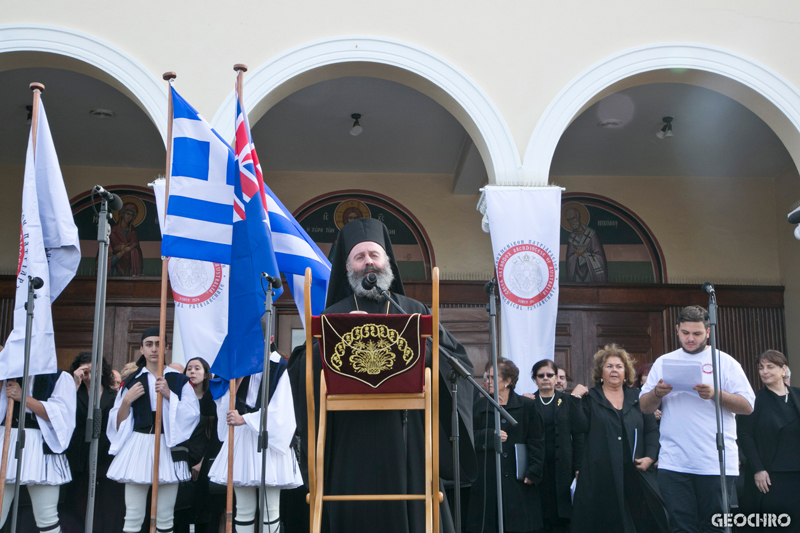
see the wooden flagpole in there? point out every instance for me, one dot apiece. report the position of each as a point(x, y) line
point(162, 319)
point(240, 69)
point(37, 89)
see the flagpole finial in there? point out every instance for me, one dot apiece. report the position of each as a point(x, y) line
point(240, 67)
point(37, 86)
point(169, 76)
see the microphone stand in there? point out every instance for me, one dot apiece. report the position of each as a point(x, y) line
point(263, 434)
point(491, 307)
point(457, 369)
point(33, 284)
point(712, 320)
point(94, 419)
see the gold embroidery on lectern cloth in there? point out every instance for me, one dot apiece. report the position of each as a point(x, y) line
point(373, 349)
point(371, 346)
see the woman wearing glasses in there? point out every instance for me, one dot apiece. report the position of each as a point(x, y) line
point(520, 497)
point(564, 425)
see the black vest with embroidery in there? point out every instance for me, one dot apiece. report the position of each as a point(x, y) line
point(275, 371)
point(143, 416)
point(43, 387)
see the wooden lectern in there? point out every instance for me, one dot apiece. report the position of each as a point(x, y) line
point(372, 365)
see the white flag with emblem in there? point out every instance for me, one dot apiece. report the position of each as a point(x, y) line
point(200, 293)
point(525, 225)
point(48, 249)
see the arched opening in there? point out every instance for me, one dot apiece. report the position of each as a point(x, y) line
point(715, 194)
point(106, 115)
point(430, 140)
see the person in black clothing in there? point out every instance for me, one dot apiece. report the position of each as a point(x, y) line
point(564, 427)
point(617, 489)
point(769, 438)
point(380, 450)
point(521, 511)
point(108, 515)
point(193, 505)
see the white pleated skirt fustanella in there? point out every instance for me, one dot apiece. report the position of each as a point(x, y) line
point(282, 470)
point(134, 462)
point(38, 468)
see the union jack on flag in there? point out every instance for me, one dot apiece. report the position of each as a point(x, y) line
point(252, 253)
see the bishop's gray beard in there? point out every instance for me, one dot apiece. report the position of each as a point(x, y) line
point(385, 279)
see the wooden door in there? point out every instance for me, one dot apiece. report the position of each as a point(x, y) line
point(130, 323)
point(580, 334)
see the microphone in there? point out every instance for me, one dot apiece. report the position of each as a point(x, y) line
point(37, 283)
point(489, 286)
point(369, 281)
point(114, 201)
point(275, 281)
point(708, 288)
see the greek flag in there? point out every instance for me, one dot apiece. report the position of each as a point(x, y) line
point(200, 212)
point(199, 221)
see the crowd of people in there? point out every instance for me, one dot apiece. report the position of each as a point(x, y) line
point(193, 460)
point(633, 455)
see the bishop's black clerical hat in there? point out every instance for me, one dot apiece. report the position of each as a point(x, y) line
point(355, 232)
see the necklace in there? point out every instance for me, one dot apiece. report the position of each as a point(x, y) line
point(357, 309)
point(548, 403)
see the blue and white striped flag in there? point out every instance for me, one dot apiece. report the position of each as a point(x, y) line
point(199, 221)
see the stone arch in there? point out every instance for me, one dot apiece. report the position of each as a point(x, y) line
point(773, 98)
point(67, 48)
point(389, 59)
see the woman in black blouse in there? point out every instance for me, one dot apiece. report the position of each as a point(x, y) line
point(564, 426)
point(194, 503)
point(521, 512)
point(770, 440)
point(617, 489)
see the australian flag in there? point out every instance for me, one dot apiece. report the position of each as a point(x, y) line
point(252, 252)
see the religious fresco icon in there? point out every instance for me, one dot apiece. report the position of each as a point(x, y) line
point(604, 242)
point(135, 239)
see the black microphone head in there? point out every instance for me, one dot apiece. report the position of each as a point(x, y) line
point(114, 203)
point(707, 288)
point(276, 282)
point(369, 281)
point(37, 283)
point(489, 286)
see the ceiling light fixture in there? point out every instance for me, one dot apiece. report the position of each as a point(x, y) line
point(666, 130)
point(357, 129)
point(102, 113)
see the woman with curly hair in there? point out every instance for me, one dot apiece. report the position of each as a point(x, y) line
point(617, 489)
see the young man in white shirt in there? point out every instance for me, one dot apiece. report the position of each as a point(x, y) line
point(688, 463)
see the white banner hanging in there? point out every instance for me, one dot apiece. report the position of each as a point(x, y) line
point(200, 293)
point(524, 223)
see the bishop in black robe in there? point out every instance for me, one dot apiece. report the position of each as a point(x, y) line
point(381, 452)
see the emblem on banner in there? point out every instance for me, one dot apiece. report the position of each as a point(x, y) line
point(708, 369)
point(21, 248)
point(526, 274)
point(194, 282)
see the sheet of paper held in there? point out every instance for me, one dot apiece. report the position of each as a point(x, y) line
point(682, 375)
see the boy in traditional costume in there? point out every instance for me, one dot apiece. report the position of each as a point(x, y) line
point(131, 431)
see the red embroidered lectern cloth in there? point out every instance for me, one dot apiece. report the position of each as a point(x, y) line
point(369, 354)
